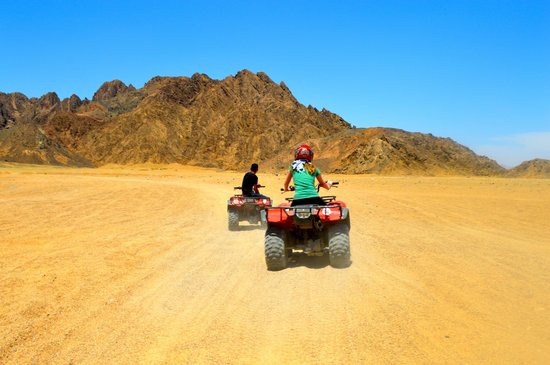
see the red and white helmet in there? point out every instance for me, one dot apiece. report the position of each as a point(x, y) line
point(303, 152)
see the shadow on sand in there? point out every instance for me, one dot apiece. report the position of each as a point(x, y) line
point(298, 259)
point(249, 228)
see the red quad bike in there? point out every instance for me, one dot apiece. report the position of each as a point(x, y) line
point(311, 229)
point(242, 208)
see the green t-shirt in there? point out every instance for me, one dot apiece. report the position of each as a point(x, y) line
point(304, 183)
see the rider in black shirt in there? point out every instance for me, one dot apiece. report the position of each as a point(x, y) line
point(250, 183)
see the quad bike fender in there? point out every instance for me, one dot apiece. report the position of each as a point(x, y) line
point(340, 203)
point(345, 213)
point(277, 216)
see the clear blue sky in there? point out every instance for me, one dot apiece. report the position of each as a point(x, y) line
point(475, 71)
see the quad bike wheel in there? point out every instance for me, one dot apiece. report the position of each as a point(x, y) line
point(233, 220)
point(275, 253)
point(338, 245)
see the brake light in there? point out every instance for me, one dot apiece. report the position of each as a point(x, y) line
point(236, 201)
point(331, 214)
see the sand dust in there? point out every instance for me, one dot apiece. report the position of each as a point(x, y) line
point(136, 265)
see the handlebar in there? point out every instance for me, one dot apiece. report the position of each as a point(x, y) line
point(334, 185)
point(290, 188)
point(241, 188)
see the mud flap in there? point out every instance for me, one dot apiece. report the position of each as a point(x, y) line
point(345, 213)
point(263, 217)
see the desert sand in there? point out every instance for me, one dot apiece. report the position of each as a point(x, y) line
point(136, 265)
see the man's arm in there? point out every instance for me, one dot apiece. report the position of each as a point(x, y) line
point(256, 184)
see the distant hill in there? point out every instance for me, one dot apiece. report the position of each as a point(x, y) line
point(214, 123)
point(537, 168)
point(391, 151)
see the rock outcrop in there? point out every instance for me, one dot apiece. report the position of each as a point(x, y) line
point(71, 104)
point(537, 168)
point(111, 89)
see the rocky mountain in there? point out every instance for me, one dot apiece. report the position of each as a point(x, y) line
point(216, 123)
point(22, 136)
point(537, 168)
point(191, 120)
point(391, 151)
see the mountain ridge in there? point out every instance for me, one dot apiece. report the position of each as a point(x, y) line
point(215, 123)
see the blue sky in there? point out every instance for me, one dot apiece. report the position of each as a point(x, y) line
point(475, 71)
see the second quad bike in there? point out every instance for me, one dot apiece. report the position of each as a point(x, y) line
point(242, 208)
point(311, 229)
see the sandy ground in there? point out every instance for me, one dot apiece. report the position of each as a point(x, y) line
point(136, 265)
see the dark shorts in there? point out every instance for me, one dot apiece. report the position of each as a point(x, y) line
point(313, 201)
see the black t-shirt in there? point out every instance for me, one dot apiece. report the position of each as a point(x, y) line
point(249, 180)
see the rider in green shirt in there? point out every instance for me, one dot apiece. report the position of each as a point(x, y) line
point(304, 174)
